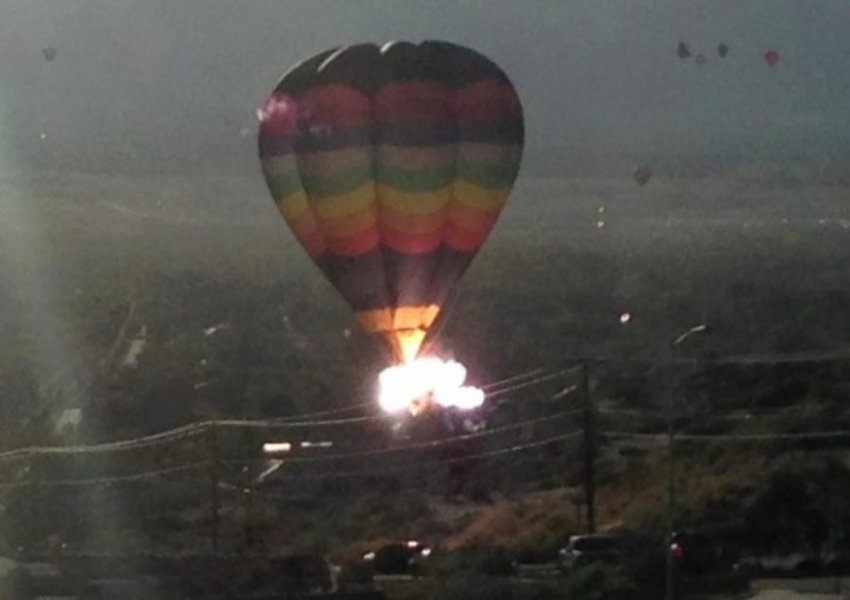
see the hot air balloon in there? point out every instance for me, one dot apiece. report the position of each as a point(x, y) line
point(722, 49)
point(771, 57)
point(49, 53)
point(642, 174)
point(391, 165)
point(682, 50)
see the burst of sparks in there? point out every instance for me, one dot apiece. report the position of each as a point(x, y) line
point(427, 381)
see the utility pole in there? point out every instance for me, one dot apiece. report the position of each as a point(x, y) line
point(671, 478)
point(215, 502)
point(589, 449)
point(668, 388)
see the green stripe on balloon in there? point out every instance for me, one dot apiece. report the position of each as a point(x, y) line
point(322, 186)
point(416, 180)
point(282, 185)
point(488, 176)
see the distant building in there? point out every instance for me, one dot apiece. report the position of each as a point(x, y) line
point(69, 421)
point(137, 346)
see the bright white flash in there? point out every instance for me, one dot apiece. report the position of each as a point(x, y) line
point(425, 381)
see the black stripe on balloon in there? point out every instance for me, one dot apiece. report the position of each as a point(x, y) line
point(414, 279)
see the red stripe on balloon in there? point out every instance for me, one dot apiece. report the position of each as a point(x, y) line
point(463, 240)
point(415, 101)
point(278, 117)
point(313, 242)
point(334, 105)
point(411, 243)
point(487, 101)
point(355, 245)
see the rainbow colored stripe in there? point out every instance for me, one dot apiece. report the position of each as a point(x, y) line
point(391, 166)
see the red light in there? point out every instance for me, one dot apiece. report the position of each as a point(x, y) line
point(677, 550)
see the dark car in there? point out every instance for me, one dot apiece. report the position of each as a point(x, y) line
point(398, 558)
point(584, 550)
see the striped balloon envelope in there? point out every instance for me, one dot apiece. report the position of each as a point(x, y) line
point(391, 165)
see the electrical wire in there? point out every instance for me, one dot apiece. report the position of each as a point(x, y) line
point(731, 437)
point(440, 462)
point(146, 475)
point(421, 445)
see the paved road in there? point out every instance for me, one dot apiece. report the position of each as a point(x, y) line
point(825, 588)
point(789, 595)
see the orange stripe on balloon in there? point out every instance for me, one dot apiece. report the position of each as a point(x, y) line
point(471, 218)
point(355, 245)
point(414, 223)
point(411, 243)
point(308, 232)
point(350, 224)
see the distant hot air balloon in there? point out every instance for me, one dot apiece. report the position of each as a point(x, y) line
point(49, 53)
point(701, 59)
point(682, 50)
point(391, 165)
point(722, 50)
point(771, 57)
point(642, 175)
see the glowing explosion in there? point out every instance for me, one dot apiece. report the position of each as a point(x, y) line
point(426, 381)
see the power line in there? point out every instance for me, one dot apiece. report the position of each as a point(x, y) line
point(422, 445)
point(836, 355)
point(433, 463)
point(743, 437)
point(513, 379)
point(536, 381)
point(108, 480)
point(736, 415)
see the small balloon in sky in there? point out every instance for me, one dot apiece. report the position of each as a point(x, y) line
point(42, 136)
point(771, 57)
point(625, 318)
point(642, 174)
point(49, 53)
point(722, 49)
point(682, 50)
point(600, 224)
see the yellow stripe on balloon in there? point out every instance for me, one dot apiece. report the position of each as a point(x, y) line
point(403, 317)
point(294, 205)
point(331, 208)
point(474, 196)
point(404, 328)
point(414, 202)
point(350, 224)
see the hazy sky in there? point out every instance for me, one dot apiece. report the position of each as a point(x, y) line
point(595, 76)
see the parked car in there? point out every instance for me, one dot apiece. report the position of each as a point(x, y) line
point(583, 550)
point(398, 558)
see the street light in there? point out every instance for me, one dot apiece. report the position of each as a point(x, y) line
point(671, 482)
